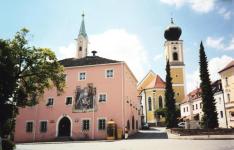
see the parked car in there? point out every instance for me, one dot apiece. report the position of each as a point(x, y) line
point(181, 125)
point(145, 126)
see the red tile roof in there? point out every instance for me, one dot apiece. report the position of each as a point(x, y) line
point(159, 83)
point(230, 65)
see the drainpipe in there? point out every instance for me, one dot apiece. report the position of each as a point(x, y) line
point(145, 107)
point(224, 105)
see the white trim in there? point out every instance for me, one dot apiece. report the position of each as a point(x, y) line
point(57, 124)
point(66, 101)
point(47, 122)
point(81, 124)
point(27, 121)
point(112, 72)
point(79, 75)
point(99, 97)
point(99, 118)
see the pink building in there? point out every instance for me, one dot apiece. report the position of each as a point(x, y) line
point(97, 90)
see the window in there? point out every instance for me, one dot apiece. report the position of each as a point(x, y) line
point(201, 105)
point(109, 73)
point(154, 101)
point(50, 102)
point(226, 81)
point(43, 126)
point(133, 123)
point(137, 124)
point(187, 109)
point(82, 75)
point(228, 97)
point(221, 114)
point(149, 104)
point(101, 124)
point(80, 48)
point(68, 100)
point(175, 56)
point(231, 116)
point(193, 107)
point(178, 94)
point(85, 125)
point(184, 109)
point(29, 126)
point(196, 106)
point(174, 48)
point(160, 102)
point(102, 97)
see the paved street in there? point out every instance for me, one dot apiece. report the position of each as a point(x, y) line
point(145, 140)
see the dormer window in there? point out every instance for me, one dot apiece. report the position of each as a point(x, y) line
point(175, 56)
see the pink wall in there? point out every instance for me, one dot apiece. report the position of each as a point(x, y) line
point(119, 89)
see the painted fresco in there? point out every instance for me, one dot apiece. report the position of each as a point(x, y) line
point(84, 99)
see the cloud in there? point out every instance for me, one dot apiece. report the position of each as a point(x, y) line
point(215, 65)
point(158, 57)
point(116, 44)
point(225, 13)
point(214, 42)
point(218, 43)
point(201, 6)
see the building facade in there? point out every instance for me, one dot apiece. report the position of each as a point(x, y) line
point(191, 108)
point(174, 53)
point(151, 90)
point(97, 90)
point(227, 77)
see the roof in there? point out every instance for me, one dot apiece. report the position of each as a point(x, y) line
point(88, 60)
point(230, 65)
point(155, 81)
point(82, 28)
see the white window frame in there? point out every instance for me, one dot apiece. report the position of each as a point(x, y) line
point(28, 121)
point(66, 101)
point(112, 73)
point(48, 101)
point(101, 118)
point(84, 76)
point(47, 123)
point(82, 124)
point(99, 97)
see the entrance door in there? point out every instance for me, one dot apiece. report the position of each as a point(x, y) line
point(64, 127)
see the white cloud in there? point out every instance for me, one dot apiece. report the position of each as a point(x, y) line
point(120, 45)
point(158, 57)
point(201, 6)
point(214, 42)
point(218, 43)
point(225, 13)
point(116, 44)
point(214, 65)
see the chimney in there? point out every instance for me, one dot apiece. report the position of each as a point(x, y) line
point(94, 53)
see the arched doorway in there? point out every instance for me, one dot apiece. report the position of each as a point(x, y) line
point(64, 127)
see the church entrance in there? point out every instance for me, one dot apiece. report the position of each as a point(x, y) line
point(64, 128)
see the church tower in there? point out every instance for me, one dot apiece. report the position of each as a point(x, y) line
point(174, 53)
point(82, 41)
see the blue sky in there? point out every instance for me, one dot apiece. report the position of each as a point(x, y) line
point(129, 30)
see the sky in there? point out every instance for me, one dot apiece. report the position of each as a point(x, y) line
point(128, 30)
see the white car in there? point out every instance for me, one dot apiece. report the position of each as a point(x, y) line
point(181, 125)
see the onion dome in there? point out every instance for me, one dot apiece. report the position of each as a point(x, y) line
point(172, 32)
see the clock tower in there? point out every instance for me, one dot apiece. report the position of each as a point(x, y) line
point(82, 41)
point(174, 53)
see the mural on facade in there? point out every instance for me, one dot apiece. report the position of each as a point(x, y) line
point(84, 98)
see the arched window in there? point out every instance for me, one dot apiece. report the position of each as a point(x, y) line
point(160, 102)
point(128, 125)
point(175, 56)
point(149, 103)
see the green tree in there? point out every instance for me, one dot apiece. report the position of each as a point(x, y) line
point(25, 72)
point(171, 115)
point(209, 119)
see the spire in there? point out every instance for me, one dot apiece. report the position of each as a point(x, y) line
point(172, 21)
point(82, 27)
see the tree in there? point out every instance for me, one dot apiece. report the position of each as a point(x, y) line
point(25, 72)
point(209, 119)
point(171, 115)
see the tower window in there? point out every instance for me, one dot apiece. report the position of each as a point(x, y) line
point(174, 48)
point(80, 48)
point(175, 56)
